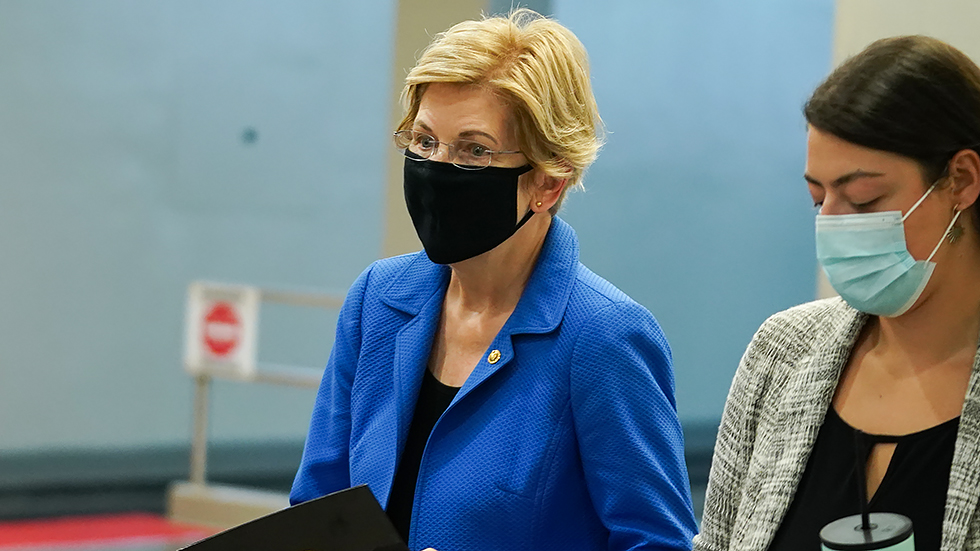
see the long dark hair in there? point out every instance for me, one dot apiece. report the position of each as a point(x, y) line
point(911, 95)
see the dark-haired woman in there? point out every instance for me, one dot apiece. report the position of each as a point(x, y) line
point(887, 375)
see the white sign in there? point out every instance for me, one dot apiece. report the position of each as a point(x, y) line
point(221, 330)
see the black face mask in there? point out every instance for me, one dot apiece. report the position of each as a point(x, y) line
point(461, 213)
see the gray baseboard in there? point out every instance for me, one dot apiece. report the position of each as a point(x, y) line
point(699, 445)
point(77, 482)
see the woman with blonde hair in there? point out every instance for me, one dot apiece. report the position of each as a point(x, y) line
point(492, 392)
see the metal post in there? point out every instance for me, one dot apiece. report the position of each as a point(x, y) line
point(199, 445)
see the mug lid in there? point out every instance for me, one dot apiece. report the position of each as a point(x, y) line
point(846, 534)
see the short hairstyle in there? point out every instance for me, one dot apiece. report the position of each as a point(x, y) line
point(911, 95)
point(539, 68)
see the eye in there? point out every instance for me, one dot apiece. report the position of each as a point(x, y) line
point(424, 142)
point(817, 194)
point(473, 150)
point(817, 199)
point(866, 205)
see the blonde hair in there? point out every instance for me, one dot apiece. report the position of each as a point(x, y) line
point(539, 68)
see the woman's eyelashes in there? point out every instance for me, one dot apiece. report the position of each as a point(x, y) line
point(867, 205)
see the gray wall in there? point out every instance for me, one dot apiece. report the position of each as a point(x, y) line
point(124, 175)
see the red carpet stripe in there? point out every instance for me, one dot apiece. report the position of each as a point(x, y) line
point(144, 529)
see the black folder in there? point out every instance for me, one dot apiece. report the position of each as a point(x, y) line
point(348, 520)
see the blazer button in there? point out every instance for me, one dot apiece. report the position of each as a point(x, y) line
point(494, 356)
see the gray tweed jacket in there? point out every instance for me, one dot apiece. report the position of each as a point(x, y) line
point(776, 406)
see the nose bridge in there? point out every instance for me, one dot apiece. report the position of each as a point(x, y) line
point(834, 204)
point(447, 156)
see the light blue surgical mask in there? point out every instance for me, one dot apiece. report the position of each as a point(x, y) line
point(868, 263)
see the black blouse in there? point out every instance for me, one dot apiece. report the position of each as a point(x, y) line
point(914, 484)
point(434, 399)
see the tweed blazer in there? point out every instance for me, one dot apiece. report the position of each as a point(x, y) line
point(777, 403)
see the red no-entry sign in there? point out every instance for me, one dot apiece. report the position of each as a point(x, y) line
point(222, 329)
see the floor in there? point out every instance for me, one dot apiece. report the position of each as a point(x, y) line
point(126, 532)
point(121, 532)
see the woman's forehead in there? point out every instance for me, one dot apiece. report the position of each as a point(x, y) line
point(830, 157)
point(454, 110)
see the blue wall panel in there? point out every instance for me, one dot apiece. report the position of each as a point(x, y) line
point(697, 207)
point(126, 171)
point(124, 175)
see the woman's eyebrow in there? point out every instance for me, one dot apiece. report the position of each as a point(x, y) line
point(845, 179)
point(472, 133)
point(463, 134)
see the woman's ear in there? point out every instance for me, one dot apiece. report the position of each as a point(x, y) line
point(964, 174)
point(546, 191)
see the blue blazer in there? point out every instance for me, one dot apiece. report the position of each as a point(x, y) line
point(570, 441)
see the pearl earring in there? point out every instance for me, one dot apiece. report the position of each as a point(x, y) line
point(538, 203)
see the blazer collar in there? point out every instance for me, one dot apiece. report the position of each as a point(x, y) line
point(542, 303)
point(545, 298)
point(412, 288)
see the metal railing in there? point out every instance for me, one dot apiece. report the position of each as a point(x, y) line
point(196, 500)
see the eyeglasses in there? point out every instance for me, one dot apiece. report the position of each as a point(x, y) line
point(466, 154)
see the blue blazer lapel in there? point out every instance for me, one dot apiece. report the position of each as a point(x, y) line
point(501, 350)
point(542, 304)
point(412, 348)
point(418, 291)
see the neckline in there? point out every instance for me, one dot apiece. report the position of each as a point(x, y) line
point(439, 385)
point(895, 438)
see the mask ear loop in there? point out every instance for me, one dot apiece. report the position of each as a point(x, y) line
point(527, 216)
point(919, 202)
point(530, 212)
point(945, 233)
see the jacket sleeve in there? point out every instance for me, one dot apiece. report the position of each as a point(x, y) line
point(630, 440)
point(325, 466)
point(733, 451)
